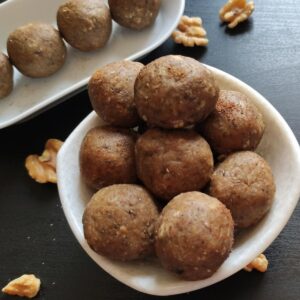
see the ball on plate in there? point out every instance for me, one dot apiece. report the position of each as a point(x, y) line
point(85, 24)
point(6, 76)
point(119, 222)
point(134, 14)
point(173, 162)
point(175, 91)
point(235, 124)
point(107, 157)
point(36, 49)
point(111, 91)
point(194, 235)
point(245, 184)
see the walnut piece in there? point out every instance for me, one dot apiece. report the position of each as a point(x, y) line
point(236, 11)
point(190, 32)
point(43, 168)
point(260, 263)
point(24, 286)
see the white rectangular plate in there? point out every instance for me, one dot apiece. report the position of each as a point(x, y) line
point(32, 95)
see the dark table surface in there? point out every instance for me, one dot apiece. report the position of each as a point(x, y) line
point(35, 237)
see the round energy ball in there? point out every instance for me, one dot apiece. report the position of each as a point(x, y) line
point(119, 222)
point(175, 91)
point(36, 49)
point(107, 157)
point(235, 124)
point(173, 162)
point(6, 76)
point(85, 24)
point(134, 14)
point(111, 91)
point(194, 235)
point(245, 184)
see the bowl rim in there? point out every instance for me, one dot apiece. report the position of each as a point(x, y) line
point(189, 285)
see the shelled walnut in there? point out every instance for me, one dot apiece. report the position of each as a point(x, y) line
point(190, 32)
point(24, 286)
point(260, 263)
point(43, 168)
point(236, 11)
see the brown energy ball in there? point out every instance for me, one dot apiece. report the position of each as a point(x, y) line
point(107, 157)
point(85, 24)
point(235, 124)
point(194, 235)
point(6, 76)
point(173, 162)
point(134, 14)
point(111, 91)
point(175, 91)
point(119, 222)
point(245, 184)
point(36, 49)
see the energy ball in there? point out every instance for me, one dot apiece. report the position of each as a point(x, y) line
point(245, 184)
point(235, 124)
point(36, 49)
point(175, 91)
point(107, 157)
point(85, 24)
point(194, 235)
point(119, 222)
point(173, 162)
point(111, 91)
point(134, 14)
point(6, 76)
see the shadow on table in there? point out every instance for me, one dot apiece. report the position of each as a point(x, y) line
point(239, 29)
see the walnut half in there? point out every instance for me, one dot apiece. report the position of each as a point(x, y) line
point(190, 32)
point(260, 263)
point(43, 168)
point(236, 11)
point(24, 286)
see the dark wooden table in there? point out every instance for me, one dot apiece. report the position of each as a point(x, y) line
point(35, 237)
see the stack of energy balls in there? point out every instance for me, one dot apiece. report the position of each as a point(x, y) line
point(158, 190)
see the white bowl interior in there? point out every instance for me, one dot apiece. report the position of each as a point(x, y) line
point(31, 95)
point(278, 146)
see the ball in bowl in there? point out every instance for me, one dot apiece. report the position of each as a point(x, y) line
point(245, 184)
point(175, 91)
point(85, 24)
point(111, 91)
point(194, 235)
point(119, 222)
point(6, 76)
point(134, 14)
point(235, 124)
point(36, 49)
point(107, 157)
point(173, 162)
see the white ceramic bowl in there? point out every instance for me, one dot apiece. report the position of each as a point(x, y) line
point(278, 146)
point(31, 96)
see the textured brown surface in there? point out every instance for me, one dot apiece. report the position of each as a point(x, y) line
point(6, 76)
point(194, 235)
point(175, 91)
point(173, 162)
point(134, 14)
point(119, 222)
point(245, 184)
point(111, 91)
point(235, 124)
point(107, 157)
point(36, 49)
point(85, 24)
